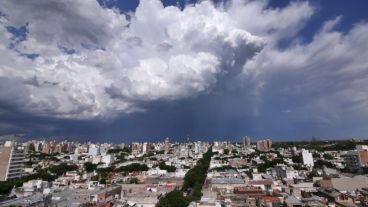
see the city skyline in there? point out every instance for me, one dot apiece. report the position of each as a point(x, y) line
point(280, 70)
point(170, 174)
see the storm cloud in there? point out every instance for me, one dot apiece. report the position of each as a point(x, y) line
point(106, 66)
point(207, 70)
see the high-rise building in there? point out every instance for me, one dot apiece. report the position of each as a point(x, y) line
point(357, 158)
point(352, 160)
point(183, 151)
point(269, 143)
point(136, 148)
point(307, 158)
point(46, 148)
point(246, 142)
point(93, 150)
point(11, 161)
point(260, 145)
point(264, 145)
point(145, 148)
point(197, 147)
point(363, 154)
point(167, 145)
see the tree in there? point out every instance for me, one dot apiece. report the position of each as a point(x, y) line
point(320, 163)
point(268, 164)
point(223, 168)
point(89, 167)
point(250, 173)
point(174, 199)
point(296, 159)
point(195, 177)
point(103, 172)
point(169, 168)
point(32, 147)
point(193, 182)
point(47, 174)
point(316, 155)
point(133, 167)
point(102, 181)
point(134, 181)
point(328, 156)
point(114, 151)
point(312, 174)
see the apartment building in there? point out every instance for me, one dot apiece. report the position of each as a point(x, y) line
point(11, 161)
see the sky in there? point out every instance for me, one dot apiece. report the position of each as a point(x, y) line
point(122, 71)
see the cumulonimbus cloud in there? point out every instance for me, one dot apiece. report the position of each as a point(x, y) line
point(76, 59)
point(59, 60)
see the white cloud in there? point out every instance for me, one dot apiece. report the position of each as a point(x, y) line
point(168, 54)
point(323, 80)
point(92, 64)
point(274, 24)
point(115, 66)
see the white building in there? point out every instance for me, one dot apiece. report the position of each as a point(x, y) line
point(96, 159)
point(156, 171)
point(197, 147)
point(93, 150)
point(11, 161)
point(307, 158)
point(34, 185)
point(361, 147)
point(104, 148)
point(184, 152)
point(145, 148)
point(74, 158)
point(108, 159)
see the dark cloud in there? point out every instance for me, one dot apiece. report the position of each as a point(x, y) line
point(199, 72)
point(45, 18)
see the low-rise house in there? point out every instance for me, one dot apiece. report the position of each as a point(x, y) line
point(292, 201)
point(297, 189)
point(263, 184)
point(33, 186)
point(270, 201)
point(346, 184)
point(250, 191)
point(106, 194)
point(337, 197)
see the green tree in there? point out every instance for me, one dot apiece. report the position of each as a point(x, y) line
point(174, 199)
point(134, 181)
point(193, 182)
point(296, 159)
point(102, 181)
point(328, 156)
point(32, 147)
point(89, 167)
point(47, 174)
point(169, 168)
point(320, 163)
point(133, 167)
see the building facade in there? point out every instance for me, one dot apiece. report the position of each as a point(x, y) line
point(307, 158)
point(11, 162)
point(246, 142)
